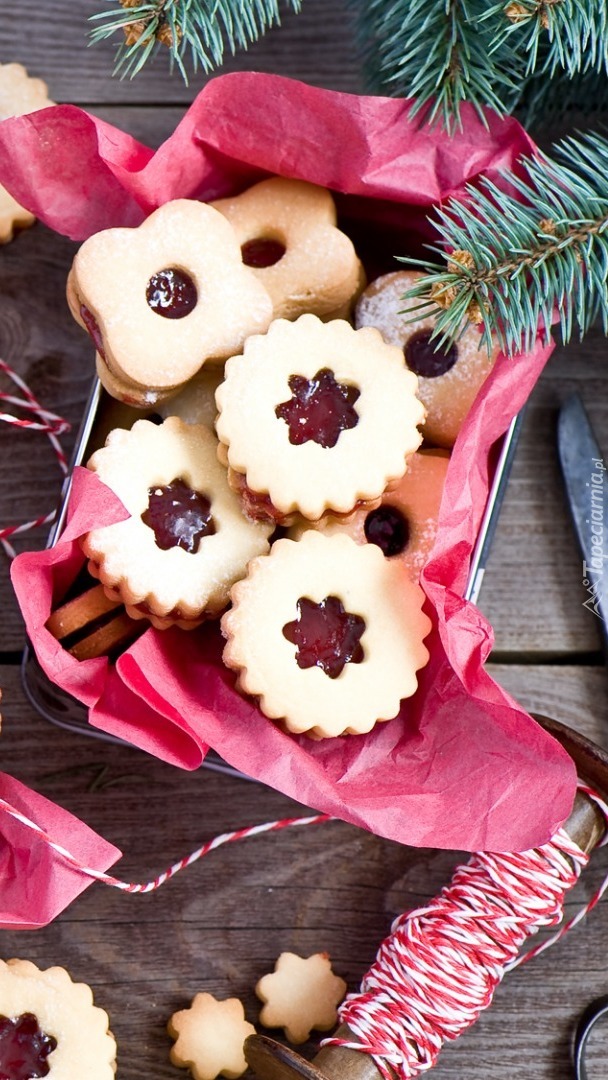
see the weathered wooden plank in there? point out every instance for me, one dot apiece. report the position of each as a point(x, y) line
point(220, 924)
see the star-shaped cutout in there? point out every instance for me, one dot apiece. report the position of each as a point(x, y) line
point(301, 995)
point(210, 1037)
point(319, 409)
point(326, 635)
point(178, 516)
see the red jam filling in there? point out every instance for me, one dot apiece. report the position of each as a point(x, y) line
point(388, 528)
point(423, 359)
point(320, 409)
point(178, 516)
point(93, 329)
point(326, 635)
point(171, 293)
point(262, 252)
point(24, 1048)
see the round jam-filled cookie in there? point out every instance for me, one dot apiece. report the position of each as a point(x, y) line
point(50, 1026)
point(448, 382)
point(404, 524)
point(19, 94)
point(161, 300)
point(288, 236)
point(186, 542)
point(327, 634)
point(316, 416)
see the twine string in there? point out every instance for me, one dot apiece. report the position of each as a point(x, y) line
point(37, 418)
point(440, 966)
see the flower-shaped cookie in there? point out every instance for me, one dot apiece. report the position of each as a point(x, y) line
point(161, 300)
point(301, 995)
point(210, 1036)
point(448, 381)
point(19, 94)
point(288, 235)
point(327, 634)
point(317, 416)
point(404, 524)
point(48, 1024)
point(186, 542)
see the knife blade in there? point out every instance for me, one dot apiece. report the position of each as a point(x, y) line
point(586, 485)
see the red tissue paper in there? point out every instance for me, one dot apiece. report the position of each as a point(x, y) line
point(462, 766)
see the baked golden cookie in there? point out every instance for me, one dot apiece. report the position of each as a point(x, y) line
point(49, 1025)
point(19, 95)
point(327, 634)
point(301, 995)
point(161, 300)
point(288, 236)
point(186, 542)
point(210, 1036)
point(404, 524)
point(314, 417)
point(448, 382)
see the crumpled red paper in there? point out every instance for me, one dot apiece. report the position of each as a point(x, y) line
point(37, 883)
point(463, 766)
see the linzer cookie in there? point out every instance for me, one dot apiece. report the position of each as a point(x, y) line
point(314, 417)
point(289, 237)
point(404, 524)
point(209, 1037)
point(448, 381)
point(19, 94)
point(326, 634)
point(49, 1025)
point(161, 300)
point(186, 542)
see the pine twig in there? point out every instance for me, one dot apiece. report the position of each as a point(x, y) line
point(574, 33)
point(521, 254)
point(199, 31)
point(439, 52)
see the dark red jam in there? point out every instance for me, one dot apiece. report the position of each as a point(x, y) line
point(319, 409)
point(326, 635)
point(388, 528)
point(171, 293)
point(262, 252)
point(423, 360)
point(93, 329)
point(178, 516)
point(24, 1048)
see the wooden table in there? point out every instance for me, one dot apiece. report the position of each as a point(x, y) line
point(220, 925)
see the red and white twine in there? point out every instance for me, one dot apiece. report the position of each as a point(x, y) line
point(43, 420)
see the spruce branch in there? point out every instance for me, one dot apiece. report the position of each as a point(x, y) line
point(522, 254)
point(196, 30)
point(571, 35)
point(439, 52)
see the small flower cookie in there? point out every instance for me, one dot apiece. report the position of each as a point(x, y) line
point(301, 995)
point(161, 300)
point(210, 1037)
point(288, 236)
point(327, 634)
point(404, 524)
point(316, 416)
point(448, 381)
point(48, 1024)
point(186, 542)
point(19, 95)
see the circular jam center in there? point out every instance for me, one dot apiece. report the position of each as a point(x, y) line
point(178, 516)
point(24, 1048)
point(262, 252)
point(388, 528)
point(423, 359)
point(319, 409)
point(171, 293)
point(326, 635)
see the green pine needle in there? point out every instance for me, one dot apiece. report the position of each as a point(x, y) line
point(523, 258)
point(439, 52)
point(200, 30)
point(574, 33)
